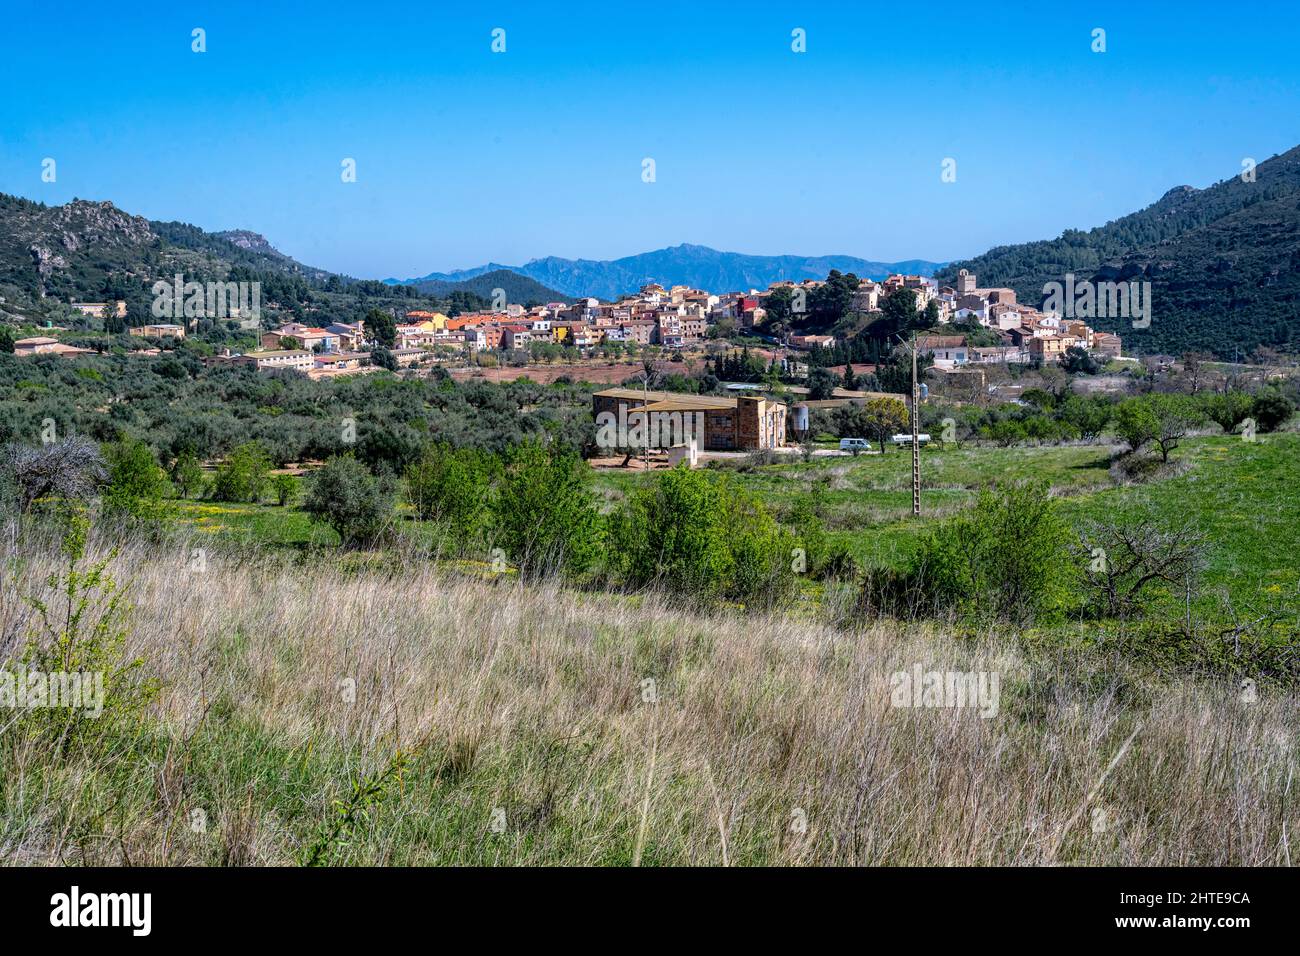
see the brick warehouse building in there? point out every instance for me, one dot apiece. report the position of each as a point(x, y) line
point(744, 423)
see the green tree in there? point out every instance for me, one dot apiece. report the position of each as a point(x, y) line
point(1229, 409)
point(883, 418)
point(136, 482)
point(821, 384)
point(283, 487)
point(186, 474)
point(930, 318)
point(544, 514)
point(830, 302)
point(1087, 416)
point(381, 327)
point(895, 374)
point(1077, 360)
point(1162, 420)
point(899, 311)
point(346, 496)
point(6, 339)
point(242, 475)
point(453, 486)
point(114, 324)
point(779, 306)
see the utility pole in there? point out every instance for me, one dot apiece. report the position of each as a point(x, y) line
point(645, 422)
point(916, 436)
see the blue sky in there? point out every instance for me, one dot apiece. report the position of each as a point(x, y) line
point(465, 156)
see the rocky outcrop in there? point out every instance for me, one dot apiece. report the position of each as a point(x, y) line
point(46, 260)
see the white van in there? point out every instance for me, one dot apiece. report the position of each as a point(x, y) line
point(854, 445)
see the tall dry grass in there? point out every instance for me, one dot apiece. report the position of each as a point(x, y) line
point(532, 736)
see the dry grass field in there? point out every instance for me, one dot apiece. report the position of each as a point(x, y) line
point(355, 714)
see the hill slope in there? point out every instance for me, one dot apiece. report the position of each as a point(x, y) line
point(89, 250)
point(697, 266)
point(1224, 263)
point(518, 288)
point(86, 250)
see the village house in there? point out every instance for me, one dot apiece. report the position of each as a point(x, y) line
point(268, 360)
point(305, 337)
point(744, 423)
point(640, 331)
point(431, 321)
point(516, 336)
point(1106, 344)
point(96, 309)
point(1050, 348)
point(408, 357)
point(350, 337)
point(419, 338)
point(162, 330)
point(947, 350)
point(866, 297)
point(43, 345)
point(341, 360)
point(812, 341)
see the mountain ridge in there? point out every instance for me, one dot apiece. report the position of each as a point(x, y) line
point(684, 264)
point(1223, 262)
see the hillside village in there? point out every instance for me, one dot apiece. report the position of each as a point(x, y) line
point(671, 318)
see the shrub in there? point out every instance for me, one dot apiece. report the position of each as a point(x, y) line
point(70, 469)
point(79, 629)
point(1271, 410)
point(1009, 557)
point(694, 533)
point(1005, 432)
point(1125, 559)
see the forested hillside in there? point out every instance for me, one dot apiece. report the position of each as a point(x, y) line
point(93, 251)
point(1224, 263)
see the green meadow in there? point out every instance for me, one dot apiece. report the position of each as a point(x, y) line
point(1242, 495)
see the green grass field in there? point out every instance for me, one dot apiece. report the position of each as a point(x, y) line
point(1241, 494)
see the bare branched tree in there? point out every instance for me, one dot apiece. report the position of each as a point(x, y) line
point(72, 469)
point(1125, 557)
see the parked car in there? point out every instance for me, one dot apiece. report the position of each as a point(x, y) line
point(906, 439)
point(854, 445)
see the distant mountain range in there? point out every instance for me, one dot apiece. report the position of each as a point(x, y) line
point(697, 266)
point(1223, 263)
point(516, 286)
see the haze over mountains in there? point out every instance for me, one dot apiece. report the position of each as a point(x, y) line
point(696, 266)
